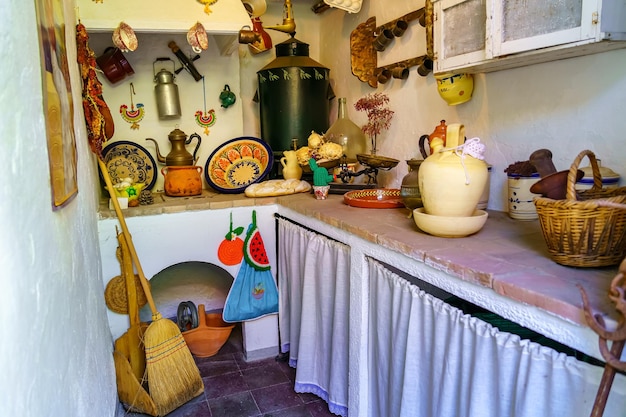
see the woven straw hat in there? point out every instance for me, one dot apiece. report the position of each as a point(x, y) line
point(116, 298)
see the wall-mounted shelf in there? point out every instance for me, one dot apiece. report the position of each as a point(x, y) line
point(224, 22)
point(364, 56)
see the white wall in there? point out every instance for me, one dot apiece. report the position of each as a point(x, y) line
point(566, 106)
point(56, 347)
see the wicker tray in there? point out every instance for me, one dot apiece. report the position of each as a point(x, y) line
point(587, 229)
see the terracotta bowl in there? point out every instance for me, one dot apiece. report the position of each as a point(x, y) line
point(445, 226)
point(210, 335)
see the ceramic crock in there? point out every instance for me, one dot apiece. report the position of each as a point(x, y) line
point(610, 179)
point(451, 180)
point(521, 204)
point(182, 181)
point(455, 88)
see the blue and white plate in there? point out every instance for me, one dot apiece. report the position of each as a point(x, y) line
point(125, 159)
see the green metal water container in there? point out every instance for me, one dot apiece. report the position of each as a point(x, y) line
point(294, 94)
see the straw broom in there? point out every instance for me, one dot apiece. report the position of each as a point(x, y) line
point(173, 377)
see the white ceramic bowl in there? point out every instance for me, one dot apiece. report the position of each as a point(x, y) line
point(445, 226)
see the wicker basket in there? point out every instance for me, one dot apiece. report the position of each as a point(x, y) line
point(584, 230)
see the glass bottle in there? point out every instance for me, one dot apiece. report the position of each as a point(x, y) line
point(346, 133)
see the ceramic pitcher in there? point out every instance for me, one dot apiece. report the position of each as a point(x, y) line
point(291, 168)
point(452, 179)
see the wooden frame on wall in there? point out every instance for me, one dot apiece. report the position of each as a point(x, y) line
point(58, 106)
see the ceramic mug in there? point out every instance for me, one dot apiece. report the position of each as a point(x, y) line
point(399, 28)
point(383, 76)
point(255, 8)
point(425, 67)
point(124, 38)
point(400, 73)
point(247, 35)
point(383, 39)
point(197, 38)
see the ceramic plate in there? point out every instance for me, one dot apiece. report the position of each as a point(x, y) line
point(127, 159)
point(374, 198)
point(238, 163)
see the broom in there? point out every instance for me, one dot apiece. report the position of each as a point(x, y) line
point(173, 377)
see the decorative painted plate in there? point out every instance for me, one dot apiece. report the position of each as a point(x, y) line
point(238, 163)
point(374, 198)
point(127, 159)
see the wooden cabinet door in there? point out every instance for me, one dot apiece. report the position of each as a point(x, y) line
point(461, 33)
point(525, 25)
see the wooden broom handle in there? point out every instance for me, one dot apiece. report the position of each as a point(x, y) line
point(127, 236)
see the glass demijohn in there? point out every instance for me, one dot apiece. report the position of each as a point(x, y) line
point(347, 134)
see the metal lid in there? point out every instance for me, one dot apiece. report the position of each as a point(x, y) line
point(292, 47)
point(292, 53)
point(164, 77)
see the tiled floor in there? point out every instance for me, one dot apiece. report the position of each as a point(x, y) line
point(236, 388)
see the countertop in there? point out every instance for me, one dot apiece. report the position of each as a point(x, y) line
point(509, 256)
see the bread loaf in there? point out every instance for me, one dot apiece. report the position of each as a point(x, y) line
point(272, 188)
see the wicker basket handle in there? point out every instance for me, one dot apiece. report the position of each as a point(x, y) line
point(571, 176)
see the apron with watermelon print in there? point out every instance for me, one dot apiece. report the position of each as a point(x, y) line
point(254, 293)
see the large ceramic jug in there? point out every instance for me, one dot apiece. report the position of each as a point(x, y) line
point(291, 168)
point(452, 179)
